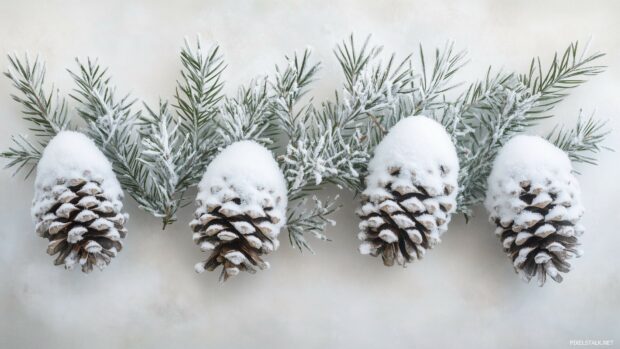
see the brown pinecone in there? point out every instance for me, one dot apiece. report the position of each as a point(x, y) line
point(241, 209)
point(77, 204)
point(237, 238)
point(410, 193)
point(404, 222)
point(534, 201)
point(83, 224)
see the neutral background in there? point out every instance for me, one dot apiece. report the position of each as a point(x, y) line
point(464, 294)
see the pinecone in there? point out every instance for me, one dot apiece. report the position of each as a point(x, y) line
point(534, 200)
point(411, 192)
point(77, 204)
point(241, 209)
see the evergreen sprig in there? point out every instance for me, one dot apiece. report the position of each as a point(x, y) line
point(177, 143)
point(304, 218)
point(199, 90)
point(248, 115)
point(112, 124)
point(23, 153)
point(566, 71)
point(582, 142)
point(46, 112)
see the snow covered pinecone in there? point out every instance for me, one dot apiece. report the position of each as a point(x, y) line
point(534, 200)
point(241, 209)
point(411, 192)
point(77, 204)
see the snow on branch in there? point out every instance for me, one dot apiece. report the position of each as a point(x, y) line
point(199, 90)
point(248, 115)
point(112, 124)
point(23, 153)
point(582, 142)
point(304, 218)
point(46, 111)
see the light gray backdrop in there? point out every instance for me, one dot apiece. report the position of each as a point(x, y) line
point(464, 294)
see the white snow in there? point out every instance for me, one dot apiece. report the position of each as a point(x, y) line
point(72, 155)
point(534, 160)
point(246, 170)
point(415, 144)
point(422, 153)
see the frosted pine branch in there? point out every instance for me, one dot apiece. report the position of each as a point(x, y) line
point(290, 85)
point(163, 148)
point(499, 113)
point(565, 72)
point(112, 124)
point(23, 153)
point(433, 83)
point(302, 160)
point(583, 141)
point(177, 143)
point(303, 219)
point(46, 111)
point(199, 90)
point(248, 115)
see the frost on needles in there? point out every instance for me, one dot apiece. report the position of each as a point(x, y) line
point(158, 153)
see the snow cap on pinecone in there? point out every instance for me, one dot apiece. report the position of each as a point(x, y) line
point(410, 191)
point(241, 201)
point(77, 203)
point(535, 201)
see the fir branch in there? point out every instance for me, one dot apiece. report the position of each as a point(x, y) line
point(170, 157)
point(99, 106)
point(371, 86)
point(501, 112)
point(22, 154)
point(313, 220)
point(47, 112)
point(289, 86)
point(111, 123)
point(564, 73)
point(311, 153)
point(160, 143)
point(177, 148)
point(435, 82)
point(248, 115)
point(199, 91)
point(583, 141)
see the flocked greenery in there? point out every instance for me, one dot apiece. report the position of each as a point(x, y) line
point(161, 151)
